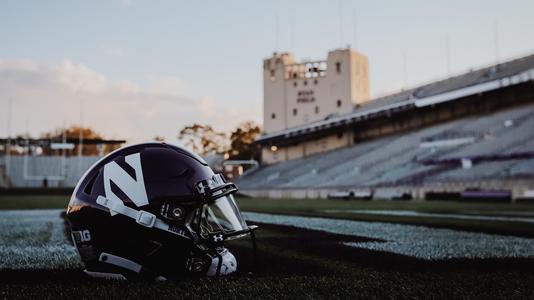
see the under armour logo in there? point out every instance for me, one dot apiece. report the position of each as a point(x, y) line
point(218, 238)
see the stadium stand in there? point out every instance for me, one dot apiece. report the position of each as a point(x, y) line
point(502, 148)
point(503, 74)
point(47, 162)
point(40, 167)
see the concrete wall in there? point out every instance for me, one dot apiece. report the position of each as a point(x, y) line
point(274, 93)
point(327, 143)
point(516, 187)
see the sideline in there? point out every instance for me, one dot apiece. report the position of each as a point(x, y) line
point(411, 213)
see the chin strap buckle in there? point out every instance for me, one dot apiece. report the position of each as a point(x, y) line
point(145, 218)
point(141, 217)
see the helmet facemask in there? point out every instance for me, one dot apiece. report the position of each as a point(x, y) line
point(218, 218)
point(215, 220)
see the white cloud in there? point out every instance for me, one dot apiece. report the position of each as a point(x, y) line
point(166, 85)
point(47, 96)
point(78, 77)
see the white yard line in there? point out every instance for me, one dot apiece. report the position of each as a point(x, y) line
point(34, 239)
point(411, 213)
point(415, 241)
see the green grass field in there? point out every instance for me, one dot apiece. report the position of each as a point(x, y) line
point(33, 202)
point(307, 264)
point(321, 207)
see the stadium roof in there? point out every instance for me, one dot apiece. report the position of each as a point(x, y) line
point(473, 82)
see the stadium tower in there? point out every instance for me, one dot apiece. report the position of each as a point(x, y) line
point(297, 93)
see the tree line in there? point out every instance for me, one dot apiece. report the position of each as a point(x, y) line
point(203, 139)
point(238, 144)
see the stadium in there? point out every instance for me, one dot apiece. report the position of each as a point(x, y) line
point(426, 192)
point(438, 140)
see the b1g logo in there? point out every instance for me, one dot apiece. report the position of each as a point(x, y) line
point(134, 188)
point(81, 236)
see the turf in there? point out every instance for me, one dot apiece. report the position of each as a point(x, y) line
point(322, 207)
point(303, 264)
point(33, 202)
point(299, 264)
point(317, 205)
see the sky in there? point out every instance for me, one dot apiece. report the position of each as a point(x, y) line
point(140, 69)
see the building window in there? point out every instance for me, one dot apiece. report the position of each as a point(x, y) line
point(339, 135)
point(317, 109)
point(273, 77)
point(315, 81)
point(294, 111)
point(338, 103)
point(305, 82)
point(338, 67)
point(295, 84)
point(273, 116)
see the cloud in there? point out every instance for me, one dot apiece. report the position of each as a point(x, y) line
point(79, 77)
point(46, 96)
point(166, 85)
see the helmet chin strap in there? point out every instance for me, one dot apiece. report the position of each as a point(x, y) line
point(124, 264)
point(141, 217)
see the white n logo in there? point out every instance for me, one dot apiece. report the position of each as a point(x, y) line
point(133, 188)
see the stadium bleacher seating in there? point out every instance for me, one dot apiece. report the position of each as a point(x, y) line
point(401, 159)
point(38, 167)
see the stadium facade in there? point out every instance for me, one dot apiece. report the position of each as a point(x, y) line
point(297, 94)
point(477, 92)
point(467, 133)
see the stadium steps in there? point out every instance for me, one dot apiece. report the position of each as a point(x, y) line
point(39, 167)
point(399, 159)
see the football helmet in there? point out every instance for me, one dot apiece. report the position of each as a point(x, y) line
point(154, 210)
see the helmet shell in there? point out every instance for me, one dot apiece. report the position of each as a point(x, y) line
point(169, 173)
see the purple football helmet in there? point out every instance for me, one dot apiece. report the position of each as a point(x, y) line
point(154, 211)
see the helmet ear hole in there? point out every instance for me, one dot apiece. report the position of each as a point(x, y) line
point(172, 211)
point(177, 213)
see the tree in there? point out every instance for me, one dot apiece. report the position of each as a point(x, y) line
point(241, 140)
point(203, 139)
